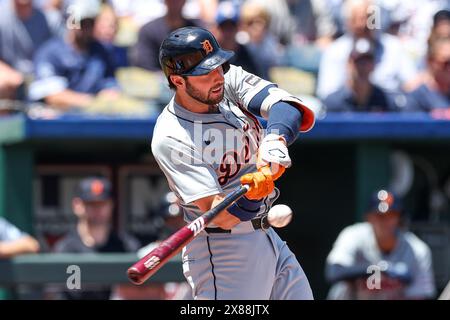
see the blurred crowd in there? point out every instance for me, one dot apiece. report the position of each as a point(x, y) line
point(347, 55)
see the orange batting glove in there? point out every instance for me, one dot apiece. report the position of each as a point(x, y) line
point(261, 183)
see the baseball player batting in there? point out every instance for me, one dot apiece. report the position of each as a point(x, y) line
point(208, 142)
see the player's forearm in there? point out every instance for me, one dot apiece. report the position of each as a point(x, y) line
point(23, 245)
point(224, 220)
point(337, 272)
point(285, 120)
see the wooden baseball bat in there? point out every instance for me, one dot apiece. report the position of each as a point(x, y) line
point(155, 259)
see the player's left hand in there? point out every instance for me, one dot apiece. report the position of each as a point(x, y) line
point(398, 271)
point(261, 183)
point(273, 153)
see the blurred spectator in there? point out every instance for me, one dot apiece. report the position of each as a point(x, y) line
point(335, 10)
point(393, 68)
point(145, 53)
point(140, 12)
point(10, 81)
point(378, 259)
point(208, 9)
point(105, 31)
point(441, 26)
point(23, 28)
point(255, 34)
point(434, 91)
point(70, 71)
point(54, 12)
point(14, 242)
point(359, 93)
point(411, 22)
point(94, 232)
point(393, 14)
point(225, 31)
point(282, 24)
point(314, 22)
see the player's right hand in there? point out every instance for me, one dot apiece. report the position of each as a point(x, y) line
point(261, 183)
point(274, 153)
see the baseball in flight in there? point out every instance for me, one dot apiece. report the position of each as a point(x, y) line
point(279, 216)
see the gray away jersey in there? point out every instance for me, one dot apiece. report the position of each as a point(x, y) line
point(206, 154)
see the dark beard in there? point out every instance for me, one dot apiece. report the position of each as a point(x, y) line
point(213, 109)
point(200, 97)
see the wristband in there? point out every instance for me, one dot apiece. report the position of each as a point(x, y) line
point(245, 209)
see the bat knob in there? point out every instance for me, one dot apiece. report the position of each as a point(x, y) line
point(135, 276)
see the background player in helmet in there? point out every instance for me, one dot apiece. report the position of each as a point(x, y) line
point(379, 247)
point(207, 141)
point(170, 219)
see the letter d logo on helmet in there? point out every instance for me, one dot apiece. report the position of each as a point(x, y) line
point(207, 46)
point(192, 51)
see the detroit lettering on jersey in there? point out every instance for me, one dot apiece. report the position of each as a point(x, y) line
point(226, 146)
point(206, 154)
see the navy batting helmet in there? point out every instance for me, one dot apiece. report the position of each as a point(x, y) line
point(169, 206)
point(192, 51)
point(383, 201)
